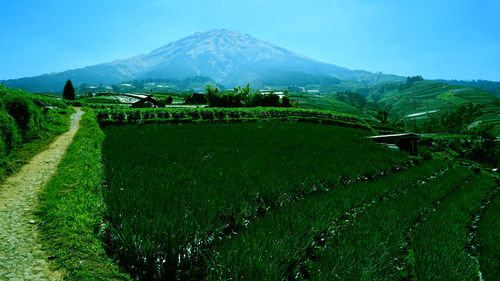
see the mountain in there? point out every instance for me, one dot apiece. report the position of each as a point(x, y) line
point(228, 57)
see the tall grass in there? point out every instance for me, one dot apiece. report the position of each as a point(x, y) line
point(283, 244)
point(367, 249)
point(439, 244)
point(488, 238)
point(173, 189)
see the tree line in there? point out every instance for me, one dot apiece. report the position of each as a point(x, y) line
point(238, 97)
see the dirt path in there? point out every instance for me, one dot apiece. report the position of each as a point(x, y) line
point(21, 255)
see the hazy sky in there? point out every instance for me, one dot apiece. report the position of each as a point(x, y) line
point(448, 39)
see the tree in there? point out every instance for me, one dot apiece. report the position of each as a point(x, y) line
point(382, 115)
point(212, 95)
point(244, 93)
point(69, 91)
point(410, 80)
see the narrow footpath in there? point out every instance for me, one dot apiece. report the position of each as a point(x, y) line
point(21, 255)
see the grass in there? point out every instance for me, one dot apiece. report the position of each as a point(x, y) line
point(488, 237)
point(368, 249)
point(284, 243)
point(56, 123)
point(71, 206)
point(439, 245)
point(178, 187)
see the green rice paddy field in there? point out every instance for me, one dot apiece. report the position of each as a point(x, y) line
point(291, 201)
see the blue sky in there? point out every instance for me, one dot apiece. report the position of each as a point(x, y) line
point(436, 39)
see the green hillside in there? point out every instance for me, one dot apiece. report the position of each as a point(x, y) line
point(424, 99)
point(423, 106)
point(326, 103)
point(425, 96)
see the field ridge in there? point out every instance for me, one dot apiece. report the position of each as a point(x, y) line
point(404, 263)
point(349, 218)
point(365, 251)
point(472, 246)
point(291, 254)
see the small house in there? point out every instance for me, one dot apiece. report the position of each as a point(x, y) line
point(147, 102)
point(406, 142)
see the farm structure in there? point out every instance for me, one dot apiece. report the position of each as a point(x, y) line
point(406, 142)
point(147, 102)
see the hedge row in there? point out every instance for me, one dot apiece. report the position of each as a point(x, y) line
point(188, 115)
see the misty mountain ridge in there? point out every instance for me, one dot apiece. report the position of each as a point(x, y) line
point(229, 58)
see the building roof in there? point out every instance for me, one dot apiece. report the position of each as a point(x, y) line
point(409, 135)
point(147, 100)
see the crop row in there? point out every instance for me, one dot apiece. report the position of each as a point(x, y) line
point(175, 188)
point(113, 116)
point(369, 248)
point(438, 245)
point(488, 239)
point(284, 243)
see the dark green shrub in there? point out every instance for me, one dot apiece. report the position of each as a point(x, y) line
point(207, 115)
point(245, 114)
point(163, 114)
point(233, 114)
point(25, 113)
point(119, 116)
point(263, 114)
point(77, 103)
point(9, 135)
point(3, 151)
point(178, 114)
point(136, 115)
point(194, 114)
point(149, 115)
point(285, 102)
point(101, 115)
point(195, 99)
point(46, 102)
point(425, 153)
point(259, 99)
point(224, 100)
point(220, 114)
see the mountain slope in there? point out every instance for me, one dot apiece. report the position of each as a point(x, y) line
point(424, 99)
point(424, 96)
point(228, 57)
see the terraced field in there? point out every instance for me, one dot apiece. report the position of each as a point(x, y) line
point(437, 97)
point(291, 201)
point(326, 103)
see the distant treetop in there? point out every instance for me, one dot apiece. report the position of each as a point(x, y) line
point(69, 91)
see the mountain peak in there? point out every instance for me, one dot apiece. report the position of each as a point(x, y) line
point(228, 57)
